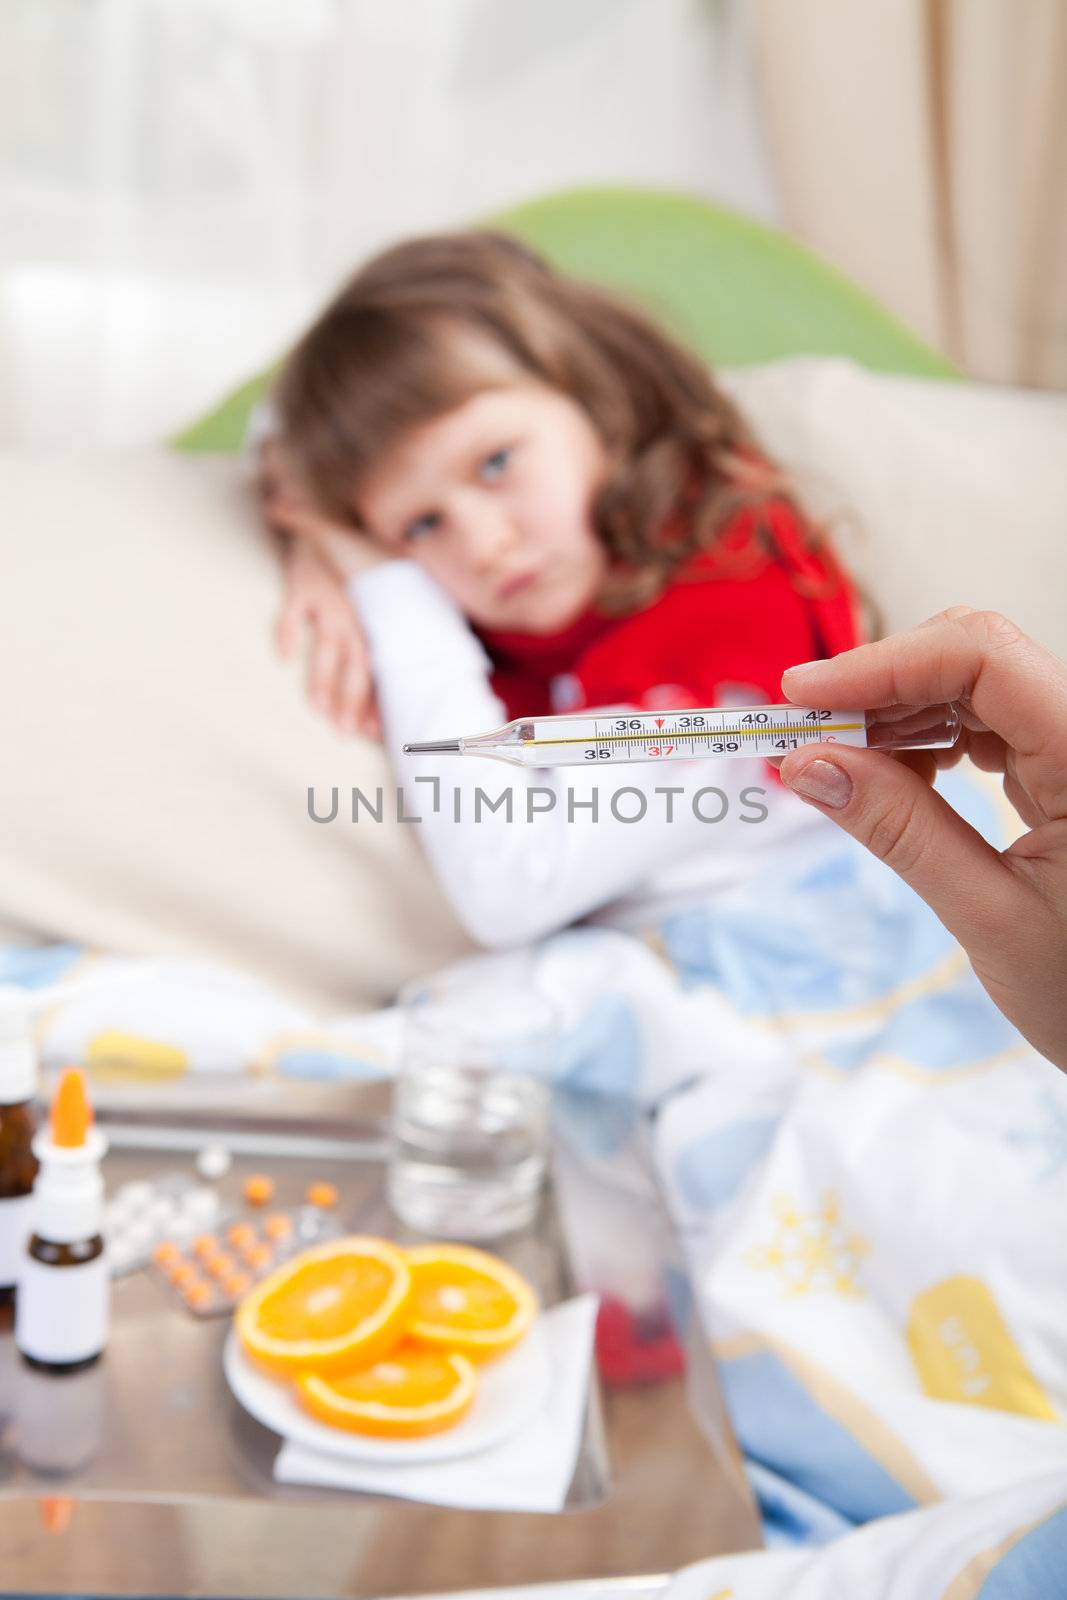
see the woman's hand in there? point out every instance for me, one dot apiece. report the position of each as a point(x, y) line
point(1008, 909)
point(318, 556)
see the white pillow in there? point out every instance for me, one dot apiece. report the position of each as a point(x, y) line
point(937, 493)
point(157, 754)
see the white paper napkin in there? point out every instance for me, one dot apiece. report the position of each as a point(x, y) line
point(531, 1471)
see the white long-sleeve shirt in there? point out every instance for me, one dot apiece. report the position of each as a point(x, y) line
point(554, 862)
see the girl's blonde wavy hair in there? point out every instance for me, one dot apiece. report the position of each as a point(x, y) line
point(431, 322)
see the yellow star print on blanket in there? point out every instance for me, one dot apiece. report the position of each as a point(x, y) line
point(811, 1252)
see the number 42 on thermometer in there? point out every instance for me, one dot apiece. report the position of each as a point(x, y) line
point(716, 734)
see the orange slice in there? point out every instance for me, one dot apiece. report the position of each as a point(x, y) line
point(467, 1300)
point(410, 1392)
point(338, 1306)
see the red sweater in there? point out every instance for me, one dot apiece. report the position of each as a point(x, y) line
point(738, 613)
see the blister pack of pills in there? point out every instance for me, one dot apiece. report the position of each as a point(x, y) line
point(138, 1215)
point(212, 1272)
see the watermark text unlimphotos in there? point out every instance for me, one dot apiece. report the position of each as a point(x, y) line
point(628, 804)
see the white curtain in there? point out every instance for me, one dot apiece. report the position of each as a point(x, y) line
point(922, 146)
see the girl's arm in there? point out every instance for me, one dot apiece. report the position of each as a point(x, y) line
point(338, 674)
point(338, 670)
point(553, 862)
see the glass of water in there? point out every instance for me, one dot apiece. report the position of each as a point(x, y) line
point(470, 1108)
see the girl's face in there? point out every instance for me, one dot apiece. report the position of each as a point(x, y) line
point(495, 500)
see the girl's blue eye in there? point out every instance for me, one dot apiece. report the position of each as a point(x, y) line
point(493, 466)
point(422, 526)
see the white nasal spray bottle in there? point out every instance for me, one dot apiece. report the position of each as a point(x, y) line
point(64, 1287)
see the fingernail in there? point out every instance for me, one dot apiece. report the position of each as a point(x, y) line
point(823, 782)
point(799, 666)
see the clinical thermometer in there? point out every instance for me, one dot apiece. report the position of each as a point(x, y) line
point(720, 733)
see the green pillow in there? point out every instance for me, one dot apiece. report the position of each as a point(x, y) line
point(733, 289)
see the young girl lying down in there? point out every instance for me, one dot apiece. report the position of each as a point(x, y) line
point(508, 493)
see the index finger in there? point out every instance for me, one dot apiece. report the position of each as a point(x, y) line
point(1013, 685)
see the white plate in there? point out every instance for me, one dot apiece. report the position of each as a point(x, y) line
point(511, 1391)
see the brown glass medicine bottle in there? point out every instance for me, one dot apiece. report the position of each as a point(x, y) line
point(18, 1123)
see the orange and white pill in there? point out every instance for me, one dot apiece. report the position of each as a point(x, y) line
point(278, 1226)
point(323, 1195)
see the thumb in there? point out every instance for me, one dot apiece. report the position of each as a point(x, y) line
point(891, 810)
point(287, 628)
point(290, 626)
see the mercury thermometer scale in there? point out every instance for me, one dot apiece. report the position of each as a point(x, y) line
point(720, 733)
